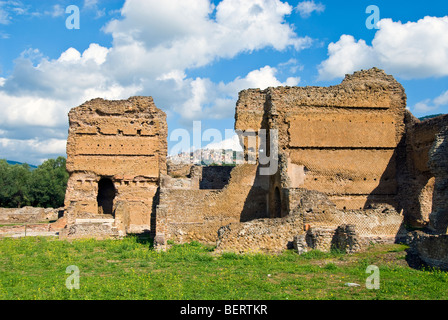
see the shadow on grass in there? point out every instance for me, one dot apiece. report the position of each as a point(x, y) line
point(142, 238)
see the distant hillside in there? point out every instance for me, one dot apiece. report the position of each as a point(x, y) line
point(20, 163)
point(429, 117)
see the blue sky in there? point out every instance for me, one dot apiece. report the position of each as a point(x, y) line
point(194, 56)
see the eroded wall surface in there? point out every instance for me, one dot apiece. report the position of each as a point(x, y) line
point(438, 163)
point(316, 219)
point(187, 213)
point(124, 142)
point(419, 182)
point(354, 145)
point(341, 140)
point(29, 215)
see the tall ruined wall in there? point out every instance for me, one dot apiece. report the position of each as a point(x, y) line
point(431, 248)
point(124, 142)
point(341, 140)
point(420, 179)
point(250, 117)
point(438, 164)
point(185, 214)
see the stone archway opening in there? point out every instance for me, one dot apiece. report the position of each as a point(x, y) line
point(106, 196)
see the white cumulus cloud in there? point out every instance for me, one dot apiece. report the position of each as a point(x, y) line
point(409, 50)
point(431, 105)
point(306, 8)
point(156, 39)
point(155, 45)
point(217, 100)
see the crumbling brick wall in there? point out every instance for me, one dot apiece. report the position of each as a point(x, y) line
point(430, 248)
point(124, 142)
point(418, 182)
point(438, 163)
point(261, 235)
point(341, 140)
point(428, 251)
point(346, 142)
point(314, 217)
point(353, 144)
point(29, 215)
point(185, 214)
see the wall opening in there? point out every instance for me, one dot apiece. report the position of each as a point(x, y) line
point(106, 196)
point(215, 177)
point(277, 203)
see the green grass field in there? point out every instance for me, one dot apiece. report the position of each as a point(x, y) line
point(35, 268)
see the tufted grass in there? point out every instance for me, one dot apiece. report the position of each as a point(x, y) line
point(130, 269)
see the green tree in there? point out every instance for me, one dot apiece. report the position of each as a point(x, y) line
point(48, 184)
point(14, 185)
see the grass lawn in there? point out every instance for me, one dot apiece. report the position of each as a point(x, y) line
point(35, 268)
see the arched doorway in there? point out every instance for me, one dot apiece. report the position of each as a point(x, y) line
point(106, 196)
point(277, 203)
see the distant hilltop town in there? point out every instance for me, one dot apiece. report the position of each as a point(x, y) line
point(207, 157)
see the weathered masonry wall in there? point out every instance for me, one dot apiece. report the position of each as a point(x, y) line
point(341, 140)
point(215, 177)
point(420, 180)
point(186, 213)
point(431, 248)
point(429, 251)
point(116, 151)
point(188, 176)
point(438, 163)
point(314, 219)
point(354, 166)
point(29, 215)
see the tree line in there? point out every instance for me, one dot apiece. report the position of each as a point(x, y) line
point(42, 187)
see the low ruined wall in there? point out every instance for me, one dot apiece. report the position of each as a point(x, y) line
point(185, 215)
point(29, 215)
point(382, 222)
point(429, 250)
point(183, 176)
point(320, 225)
point(317, 210)
point(262, 235)
point(178, 170)
point(85, 230)
point(169, 182)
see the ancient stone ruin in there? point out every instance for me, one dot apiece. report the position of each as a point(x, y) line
point(348, 165)
point(116, 152)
